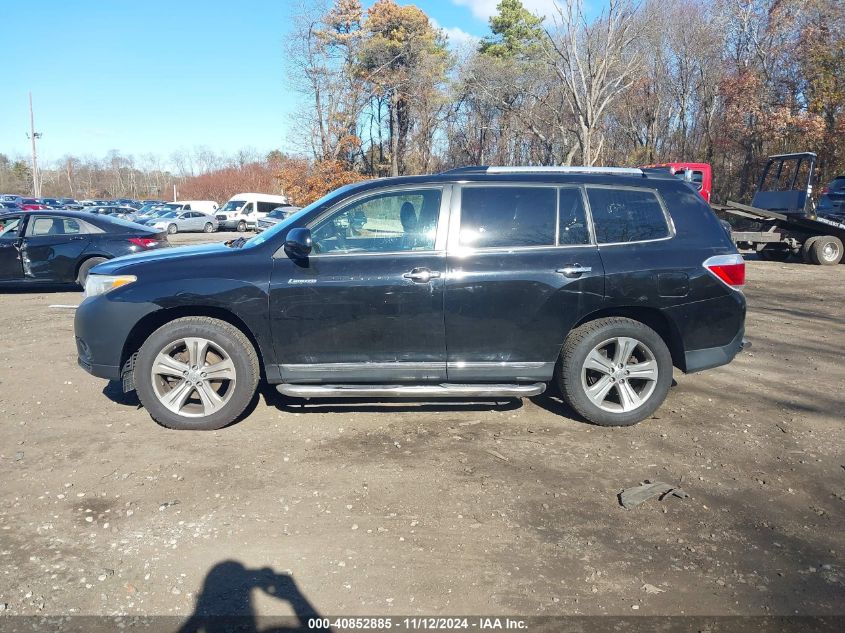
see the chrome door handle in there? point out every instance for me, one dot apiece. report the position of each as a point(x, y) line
point(574, 271)
point(422, 275)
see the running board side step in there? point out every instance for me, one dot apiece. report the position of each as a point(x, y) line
point(413, 391)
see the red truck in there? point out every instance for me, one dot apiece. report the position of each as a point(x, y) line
point(699, 174)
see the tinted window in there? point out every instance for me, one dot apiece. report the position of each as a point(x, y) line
point(54, 226)
point(395, 221)
point(626, 215)
point(573, 219)
point(507, 216)
point(266, 207)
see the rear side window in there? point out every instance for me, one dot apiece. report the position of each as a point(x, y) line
point(54, 226)
point(626, 215)
point(572, 222)
point(508, 216)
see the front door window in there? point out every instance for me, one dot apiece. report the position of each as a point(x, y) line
point(397, 221)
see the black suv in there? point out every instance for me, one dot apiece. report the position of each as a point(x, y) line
point(478, 282)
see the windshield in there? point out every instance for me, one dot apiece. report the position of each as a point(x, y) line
point(280, 213)
point(168, 214)
point(233, 205)
point(325, 201)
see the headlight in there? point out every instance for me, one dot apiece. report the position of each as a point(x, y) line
point(101, 284)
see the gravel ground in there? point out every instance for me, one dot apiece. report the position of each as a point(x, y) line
point(433, 508)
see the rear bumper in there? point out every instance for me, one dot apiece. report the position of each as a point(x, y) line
point(701, 359)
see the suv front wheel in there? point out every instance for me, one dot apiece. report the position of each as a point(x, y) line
point(614, 371)
point(196, 373)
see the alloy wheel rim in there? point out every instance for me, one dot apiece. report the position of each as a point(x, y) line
point(619, 374)
point(193, 377)
point(830, 251)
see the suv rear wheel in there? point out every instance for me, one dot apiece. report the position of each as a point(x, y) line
point(196, 373)
point(614, 371)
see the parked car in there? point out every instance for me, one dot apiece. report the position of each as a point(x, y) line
point(243, 210)
point(275, 216)
point(70, 203)
point(480, 282)
point(148, 208)
point(32, 204)
point(10, 197)
point(699, 175)
point(832, 200)
point(185, 221)
point(124, 213)
point(127, 202)
point(52, 203)
point(60, 247)
point(149, 217)
point(204, 206)
point(10, 206)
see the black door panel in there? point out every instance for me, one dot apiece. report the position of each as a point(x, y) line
point(508, 313)
point(53, 257)
point(10, 259)
point(52, 248)
point(358, 318)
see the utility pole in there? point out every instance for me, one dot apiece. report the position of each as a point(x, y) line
point(33, 136)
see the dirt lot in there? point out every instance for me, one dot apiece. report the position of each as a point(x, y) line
point(408, 508)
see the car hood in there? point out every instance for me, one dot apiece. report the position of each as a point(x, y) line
point(125, 264)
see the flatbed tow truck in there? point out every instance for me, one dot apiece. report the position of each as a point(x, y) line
point(781, 220)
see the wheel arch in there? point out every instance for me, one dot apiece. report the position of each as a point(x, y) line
point(154, 320)
point(653, 318)
point(89, 255)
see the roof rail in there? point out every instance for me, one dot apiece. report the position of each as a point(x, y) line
point(629, 171)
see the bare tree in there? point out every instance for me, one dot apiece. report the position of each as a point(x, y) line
point(594, 63)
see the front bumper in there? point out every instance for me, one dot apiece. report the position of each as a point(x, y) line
point(102, 328)
point(232, 224)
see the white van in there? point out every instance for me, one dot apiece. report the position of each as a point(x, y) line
point(203, 206)
point(245, 209)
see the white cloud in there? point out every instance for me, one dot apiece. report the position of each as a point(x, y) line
point(458, 38)
point(484, 9)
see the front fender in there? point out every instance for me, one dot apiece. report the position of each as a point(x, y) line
point(111, 327)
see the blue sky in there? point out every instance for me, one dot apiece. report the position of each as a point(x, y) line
point(158, 76)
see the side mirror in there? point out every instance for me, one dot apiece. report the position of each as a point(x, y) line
point(298, 243)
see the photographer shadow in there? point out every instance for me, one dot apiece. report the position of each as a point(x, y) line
point(226, 602)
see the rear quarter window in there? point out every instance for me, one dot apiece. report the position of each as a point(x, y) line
point(627, 215)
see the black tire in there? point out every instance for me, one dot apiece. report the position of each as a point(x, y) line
point(208, 228)
point(221, 335)
point(584, 340)
point(826, 250)
point(85, 267)
point(806, 247)
point(172, 229)
point(241, 226)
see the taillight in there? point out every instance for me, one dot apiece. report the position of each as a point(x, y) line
point(825, 190)
point(729, 269)
point(143, 242)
